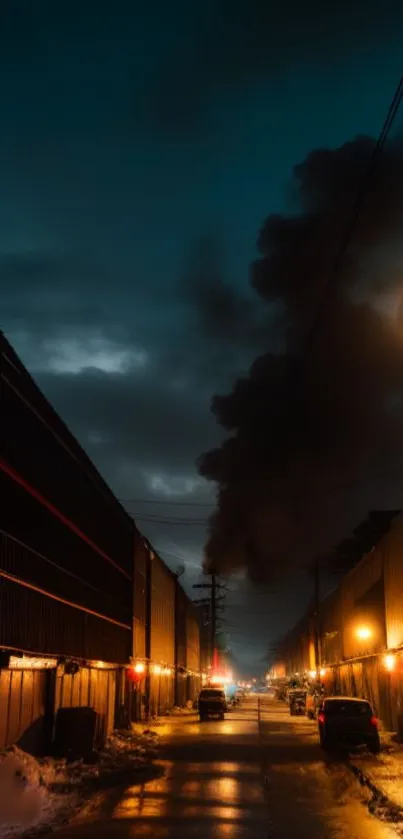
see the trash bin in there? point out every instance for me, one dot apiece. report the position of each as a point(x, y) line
point(75, 733)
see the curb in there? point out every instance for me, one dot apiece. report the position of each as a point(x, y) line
point(380, 805)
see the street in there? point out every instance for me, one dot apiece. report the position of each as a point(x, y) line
point(239, 779)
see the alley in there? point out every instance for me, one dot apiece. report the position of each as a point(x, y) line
point(238, 779)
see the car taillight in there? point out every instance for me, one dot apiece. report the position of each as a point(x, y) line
point(321, 718)
point(374, 721)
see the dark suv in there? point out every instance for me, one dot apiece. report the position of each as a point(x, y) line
point(347, 721)
point(212, 702)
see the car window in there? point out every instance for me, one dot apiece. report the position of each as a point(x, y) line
point(208, 694)
point(339, 707)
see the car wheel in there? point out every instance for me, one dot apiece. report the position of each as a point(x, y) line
point(325, 743)
point(374, 745)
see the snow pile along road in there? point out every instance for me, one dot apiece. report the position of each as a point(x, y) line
point(48, 792)
point(25, 797)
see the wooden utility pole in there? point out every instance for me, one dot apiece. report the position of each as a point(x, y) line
point(213, 621)
point(212, 601)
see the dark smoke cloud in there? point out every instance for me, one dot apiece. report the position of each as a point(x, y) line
point(222, 310)
point(319, 414)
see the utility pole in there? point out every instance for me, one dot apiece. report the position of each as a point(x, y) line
point(212, 601)
point(213, 621)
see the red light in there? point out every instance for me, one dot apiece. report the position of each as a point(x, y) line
point(374, 721)
point(321, 718)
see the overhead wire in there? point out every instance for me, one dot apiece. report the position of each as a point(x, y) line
point(167, 503)
point(355, 210)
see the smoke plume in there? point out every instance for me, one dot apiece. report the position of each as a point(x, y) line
point(307, 426)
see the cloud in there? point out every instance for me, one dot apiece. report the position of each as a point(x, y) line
point(147, 425)
point(172, 486)
point(72, 355)
point(306, 419)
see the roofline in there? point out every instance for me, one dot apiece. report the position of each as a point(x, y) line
point(85, 462)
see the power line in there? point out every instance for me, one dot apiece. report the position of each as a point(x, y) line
point(167, 503)
point(376, 154)
point(179, 522)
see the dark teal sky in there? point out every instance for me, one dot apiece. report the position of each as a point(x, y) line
point(130, 131)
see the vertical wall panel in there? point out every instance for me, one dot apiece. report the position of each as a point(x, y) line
point(392, 550)
point(15, 706)
point(27, 699)
point(5, 681)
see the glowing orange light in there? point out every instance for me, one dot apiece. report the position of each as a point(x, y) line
point(363, 633)
point(389, 662)
point(139, 667)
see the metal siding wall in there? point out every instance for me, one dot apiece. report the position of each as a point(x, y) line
point(22, 704)
point(162, 613)
point(140, 599)
point(34, 623)
point(89, 687)
point(192, 641)
point(70, 567)
point(60, 472)
point(368, 678)
point(392, 550)
point(180, 626)
point(353, 586)
point(57, 468)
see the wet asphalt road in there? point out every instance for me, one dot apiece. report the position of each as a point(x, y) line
point(239, 779)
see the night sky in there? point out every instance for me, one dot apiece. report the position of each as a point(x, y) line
point(142, 147)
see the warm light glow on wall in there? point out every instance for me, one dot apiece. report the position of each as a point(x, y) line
point(363, 633)
point(167, 671)
point(139, 667)
point(157, 669)
point(389, 662)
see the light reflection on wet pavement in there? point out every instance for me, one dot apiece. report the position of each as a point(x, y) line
point(221, 780)
point(202, 797)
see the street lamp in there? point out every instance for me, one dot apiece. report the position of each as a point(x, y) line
point(363, 633)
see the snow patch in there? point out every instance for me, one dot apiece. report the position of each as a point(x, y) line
point(25, 797)
point(39, 793)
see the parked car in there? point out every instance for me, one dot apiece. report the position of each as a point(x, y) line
point(212, 702)
point(348, 721)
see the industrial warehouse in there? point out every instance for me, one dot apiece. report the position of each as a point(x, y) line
point(352, 639)
point(90, 615)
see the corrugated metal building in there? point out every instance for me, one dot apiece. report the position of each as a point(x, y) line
point(192, 652)
point(361, 604)
point(66, 563)
point(362, 627)
point(181, 690)
point(162, 642)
